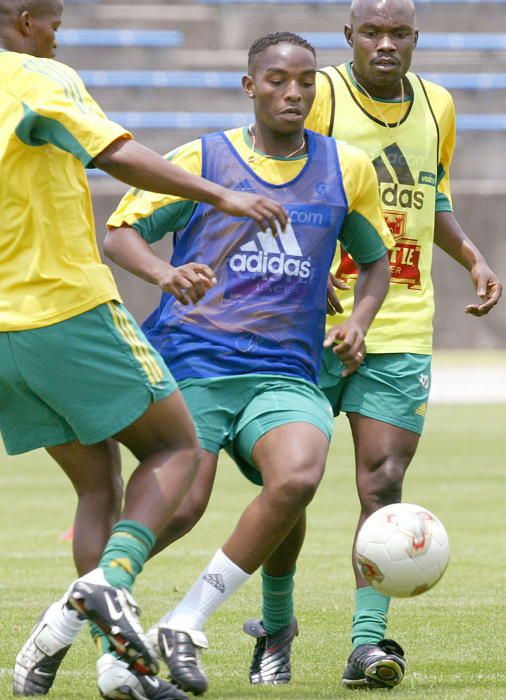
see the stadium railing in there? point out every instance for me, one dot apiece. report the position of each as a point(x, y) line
point(231, 80)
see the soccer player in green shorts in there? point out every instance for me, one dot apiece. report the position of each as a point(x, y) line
point(407, 127)
point(75, 369)
point(246, 357)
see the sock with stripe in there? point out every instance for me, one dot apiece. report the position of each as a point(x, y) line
point(215, 585)
point(277, 601)
point(370, 618)
point(126, 551)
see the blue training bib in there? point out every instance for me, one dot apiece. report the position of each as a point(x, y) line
point(267, 312)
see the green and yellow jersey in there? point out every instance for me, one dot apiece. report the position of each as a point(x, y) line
point(363, 231)
point(412, 157)
point(50, 130)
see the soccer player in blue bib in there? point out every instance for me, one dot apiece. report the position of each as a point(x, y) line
point(246, 356)
point(75, 369)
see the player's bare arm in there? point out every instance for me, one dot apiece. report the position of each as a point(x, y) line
point(370, 291)
point(130, 162)
point(188, 283)
point(449, 236)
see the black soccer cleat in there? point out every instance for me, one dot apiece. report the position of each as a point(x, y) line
point(38, 661)
point(116, 613)
point(117, 681)
point(181, 652)
point(375, 666)
point(271, 657)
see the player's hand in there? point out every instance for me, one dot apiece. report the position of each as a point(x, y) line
point(333, 304)
point(266, 212)
point(347, 342)
point(488, 288)
point(187, 283)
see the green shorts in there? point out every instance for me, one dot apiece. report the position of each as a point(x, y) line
point(234, 412)
point(83, 379)
point(389, 387)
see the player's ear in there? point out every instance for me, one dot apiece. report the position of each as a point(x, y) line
point(348, 33)
point(24, 23)
point(248, 86)
point(415, 38)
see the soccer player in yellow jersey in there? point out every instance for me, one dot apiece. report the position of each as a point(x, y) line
point(246, 357)
point(75, 370)
point(407, 127)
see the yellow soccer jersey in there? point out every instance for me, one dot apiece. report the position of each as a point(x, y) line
point(364, 233)
point(412, 158)
point(50, 129)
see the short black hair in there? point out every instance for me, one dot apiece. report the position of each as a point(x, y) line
point(258, 46)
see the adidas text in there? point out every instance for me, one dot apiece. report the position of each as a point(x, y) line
point(261, 263)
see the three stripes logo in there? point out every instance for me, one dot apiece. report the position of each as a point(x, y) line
point(398, 192)
point(273, 255)
point(216, 581)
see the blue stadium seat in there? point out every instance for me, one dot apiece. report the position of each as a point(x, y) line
point(343, 2)
point(120, 37)
point(464, 41)
point(231, 80)
point(320, 40)
point(229, 120)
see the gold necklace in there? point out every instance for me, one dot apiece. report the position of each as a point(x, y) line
point(253, 155)
point(375, 104)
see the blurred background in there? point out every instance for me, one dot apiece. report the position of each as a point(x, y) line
point(171, 70)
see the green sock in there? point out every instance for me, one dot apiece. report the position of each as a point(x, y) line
point(370, 618)
point(125, 553)
point(277, 601)
point(99, 639)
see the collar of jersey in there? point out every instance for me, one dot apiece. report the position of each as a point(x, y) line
point(247, 141)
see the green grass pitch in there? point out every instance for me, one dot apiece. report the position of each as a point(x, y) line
point(454, 635)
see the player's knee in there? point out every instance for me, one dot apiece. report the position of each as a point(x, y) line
point(380, 488)
point(297, 488)
point(191, 456)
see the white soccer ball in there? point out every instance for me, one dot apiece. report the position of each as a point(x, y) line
point(402, 550)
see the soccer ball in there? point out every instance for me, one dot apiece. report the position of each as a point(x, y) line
point(402, 550)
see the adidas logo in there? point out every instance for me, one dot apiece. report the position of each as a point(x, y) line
point(272, 255)
point(216, 581)
point(393, 162)
point(244, 186)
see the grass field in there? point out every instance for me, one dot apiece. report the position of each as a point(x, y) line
point(454, 636)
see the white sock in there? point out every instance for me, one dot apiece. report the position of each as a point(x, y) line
point(64, 623)
point(215, 585)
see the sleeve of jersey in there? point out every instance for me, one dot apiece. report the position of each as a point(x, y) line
point(364, 234)
point(153, 215)
point(319, 117)
point(447, 130)
point(58, 110)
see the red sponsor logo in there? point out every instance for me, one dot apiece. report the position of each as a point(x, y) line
point(396, 222)
point(404, 257)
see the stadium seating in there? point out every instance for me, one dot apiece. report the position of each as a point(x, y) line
point(118, 37)
point(331, 2)
point(170, 70)
point(231, 80)
point(320, 40)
